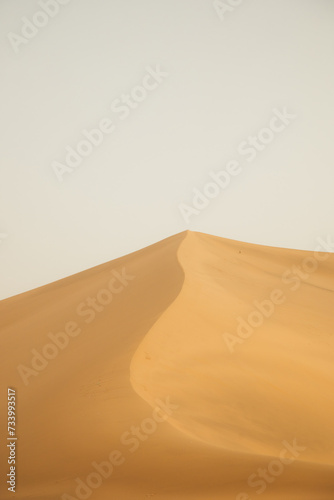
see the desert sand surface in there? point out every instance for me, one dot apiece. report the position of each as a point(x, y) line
point(135, 380)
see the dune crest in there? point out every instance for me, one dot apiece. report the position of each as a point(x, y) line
point(161, 337)
point(276, 383)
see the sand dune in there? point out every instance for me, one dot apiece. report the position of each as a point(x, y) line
point(198, 367)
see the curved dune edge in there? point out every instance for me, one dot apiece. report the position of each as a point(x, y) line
point(274, 387)
point(76, 410)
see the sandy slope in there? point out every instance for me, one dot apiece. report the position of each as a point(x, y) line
point(235, 404)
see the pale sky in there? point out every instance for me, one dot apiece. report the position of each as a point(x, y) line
point(198, 87)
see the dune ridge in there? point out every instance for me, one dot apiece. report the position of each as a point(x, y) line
point(161, 337)
point(185, 355)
